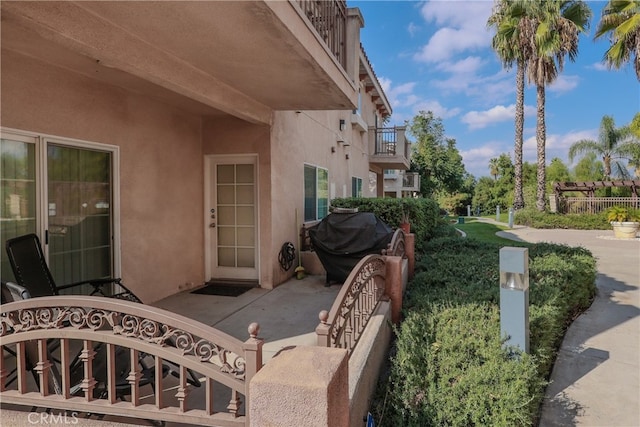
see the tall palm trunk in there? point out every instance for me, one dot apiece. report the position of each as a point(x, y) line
point(607, 173)
point(541, 130)
point(518, 198)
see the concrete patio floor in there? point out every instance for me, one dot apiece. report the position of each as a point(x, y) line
point(287, 315)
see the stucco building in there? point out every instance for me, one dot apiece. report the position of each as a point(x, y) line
point(169, 143)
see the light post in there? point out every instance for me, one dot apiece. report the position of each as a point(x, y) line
point(498, 213)
point(514, 297)
point(510, 217)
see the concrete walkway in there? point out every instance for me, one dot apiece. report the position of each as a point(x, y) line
point(596, 377)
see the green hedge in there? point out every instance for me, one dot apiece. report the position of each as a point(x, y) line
point(449, 368)
point(424, 214)
point(535, 219)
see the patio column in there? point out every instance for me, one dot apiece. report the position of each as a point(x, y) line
point(410, 251)
point(304, 386)
point(394, 286)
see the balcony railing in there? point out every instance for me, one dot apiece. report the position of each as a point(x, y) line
point(389, 148)
point(411, 181)
point(329, 18)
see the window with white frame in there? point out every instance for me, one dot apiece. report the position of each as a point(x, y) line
point(316, 193)
point(356, 187)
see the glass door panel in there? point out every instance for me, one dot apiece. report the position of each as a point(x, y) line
point(79, 213)
point(236, 222)
point(17, 194)
point(233, 219)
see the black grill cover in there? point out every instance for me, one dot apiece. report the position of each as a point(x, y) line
point(343, 239)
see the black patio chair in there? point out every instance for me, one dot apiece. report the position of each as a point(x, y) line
point(32, 272)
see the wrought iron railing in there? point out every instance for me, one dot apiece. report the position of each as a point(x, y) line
point(411, 180)
point(386, 142)
point(364, 288)
point(329, 18)
point(188, 347)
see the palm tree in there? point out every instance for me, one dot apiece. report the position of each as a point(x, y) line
point(559, 23)
point(613, 144)
point(621, 21)
point(510, 21)
point(493, 168)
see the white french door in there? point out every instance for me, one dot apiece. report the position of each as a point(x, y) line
point(231, 217)
point(62, 190)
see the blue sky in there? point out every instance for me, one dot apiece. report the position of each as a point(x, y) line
point(436, 55)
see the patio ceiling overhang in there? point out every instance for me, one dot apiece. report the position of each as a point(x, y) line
point(239, 58)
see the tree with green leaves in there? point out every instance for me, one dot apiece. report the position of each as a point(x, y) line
point(589, 168)
point(620, 20)
point(511, 23)
point(559, 24)
point(498, 191)
point(557, 171)
point(613, 146)
point(435, 157)
point(635, 126)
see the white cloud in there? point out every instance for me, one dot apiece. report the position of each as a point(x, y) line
point(556, 145)
point(564, 83)
point(476, 160)
point(497, 114)
point(438, 109)
point(403, 96)
point(599, 66)
point(412, 29)
point(463, 28)
point(468, 65)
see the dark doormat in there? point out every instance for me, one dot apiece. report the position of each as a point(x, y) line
point(223, 289)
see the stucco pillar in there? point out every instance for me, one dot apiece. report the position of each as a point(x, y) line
point(304, 386)
point(355, 22)
point(410, 251)
point(394, 286)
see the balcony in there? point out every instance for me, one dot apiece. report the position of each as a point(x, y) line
point(193, 55)
point(389, 148)
point(401, 183)
point(411, 181)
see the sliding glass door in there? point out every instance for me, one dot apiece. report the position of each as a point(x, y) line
point(79, 213)
point(75, 218)
point(18, 195)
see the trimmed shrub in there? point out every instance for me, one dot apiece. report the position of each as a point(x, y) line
point(535, 219)
point(449, 366)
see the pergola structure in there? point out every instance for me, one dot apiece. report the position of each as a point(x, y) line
point(588, 188)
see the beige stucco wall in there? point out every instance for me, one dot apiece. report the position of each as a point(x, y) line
point(161, 166)
point(307, 137)
point(162, 150)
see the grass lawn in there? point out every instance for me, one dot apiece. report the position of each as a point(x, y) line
point(485, 232)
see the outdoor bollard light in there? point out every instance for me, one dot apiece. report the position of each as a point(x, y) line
point(468, 210)
point(510, 217)
point(514, 297)
point(498, 213)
